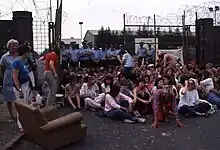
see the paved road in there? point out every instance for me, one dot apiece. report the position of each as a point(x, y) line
point(104, 134)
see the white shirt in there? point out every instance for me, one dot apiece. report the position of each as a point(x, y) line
point(128, 60)
point(106, 88)
point(208, 83)
point(90, 92)
point(190, 98)
point(154, 89)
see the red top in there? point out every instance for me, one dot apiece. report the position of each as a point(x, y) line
point(52, 56)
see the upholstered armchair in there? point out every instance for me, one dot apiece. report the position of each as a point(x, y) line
point(44, 127)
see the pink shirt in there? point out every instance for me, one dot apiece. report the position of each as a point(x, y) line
point(123, 97)
point(110, 102)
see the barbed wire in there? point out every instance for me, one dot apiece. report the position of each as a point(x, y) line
point(41, 14)
point(176, 18)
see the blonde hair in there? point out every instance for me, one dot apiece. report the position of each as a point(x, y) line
point(11, 41)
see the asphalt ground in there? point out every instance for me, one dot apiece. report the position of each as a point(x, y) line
point(104, 134)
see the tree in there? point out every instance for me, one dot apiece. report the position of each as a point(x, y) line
point(116, 33)
point(129, 32)
point(113, 32)
point(151, 32)
point(101, 36)
point(164, 32)
point(102, 30)
point(170, 31)
point(158, 31)
point(108, 31)
point(138, 33)
point(144, 28)
point(142, 32)
point(177, 31)
point(107, 37)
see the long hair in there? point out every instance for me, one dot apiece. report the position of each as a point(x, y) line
point(114, 91)
point(157, 81)
point(108, 77)
point(28, 43)
point(206, 74)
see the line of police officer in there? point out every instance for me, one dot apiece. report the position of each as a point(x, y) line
point(90, 56)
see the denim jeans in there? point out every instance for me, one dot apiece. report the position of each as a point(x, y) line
point(124, 104)
point(214, 99)
point(118, 114)
point(52, 84)
point(190, 111)
point(127, 72)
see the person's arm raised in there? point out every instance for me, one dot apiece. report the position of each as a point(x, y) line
point(183, 92)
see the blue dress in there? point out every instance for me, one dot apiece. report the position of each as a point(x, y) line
point(8, 88)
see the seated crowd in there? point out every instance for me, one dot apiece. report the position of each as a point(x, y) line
point(164, 91)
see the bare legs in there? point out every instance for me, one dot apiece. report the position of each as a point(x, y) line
point(77, 100)
point(9, 105)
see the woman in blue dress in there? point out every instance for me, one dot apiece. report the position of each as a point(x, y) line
point(6, 72)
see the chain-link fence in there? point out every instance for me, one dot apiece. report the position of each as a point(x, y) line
point(40, 35)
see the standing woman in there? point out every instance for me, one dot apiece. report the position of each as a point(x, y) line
point(31, 63)
point(21, 73)
point(6, 72)
point(127, 62)
point(21, 76)
point(50, 74)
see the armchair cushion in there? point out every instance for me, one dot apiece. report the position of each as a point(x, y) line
point(50, 113)
point(62, 122)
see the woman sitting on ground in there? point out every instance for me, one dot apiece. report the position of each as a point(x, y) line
point(119, 110)
point(165, 105)
point(190, 105)
point(142, 102)
point(207, 84)
point(108, 82)
point(90, 93)
point(72, 92)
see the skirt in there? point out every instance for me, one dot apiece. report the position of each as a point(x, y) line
point(8, 93)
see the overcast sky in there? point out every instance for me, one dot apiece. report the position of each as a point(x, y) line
point(96, 13)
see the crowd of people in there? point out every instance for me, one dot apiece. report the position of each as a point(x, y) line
point(125, 89)
point(135, 88)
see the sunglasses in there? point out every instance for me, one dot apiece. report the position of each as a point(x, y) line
point(191, 83)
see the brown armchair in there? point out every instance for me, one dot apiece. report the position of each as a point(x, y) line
point(45, 128)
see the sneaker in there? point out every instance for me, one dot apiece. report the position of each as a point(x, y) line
point(215, 107)
point(141, 120)
point(129, 121)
